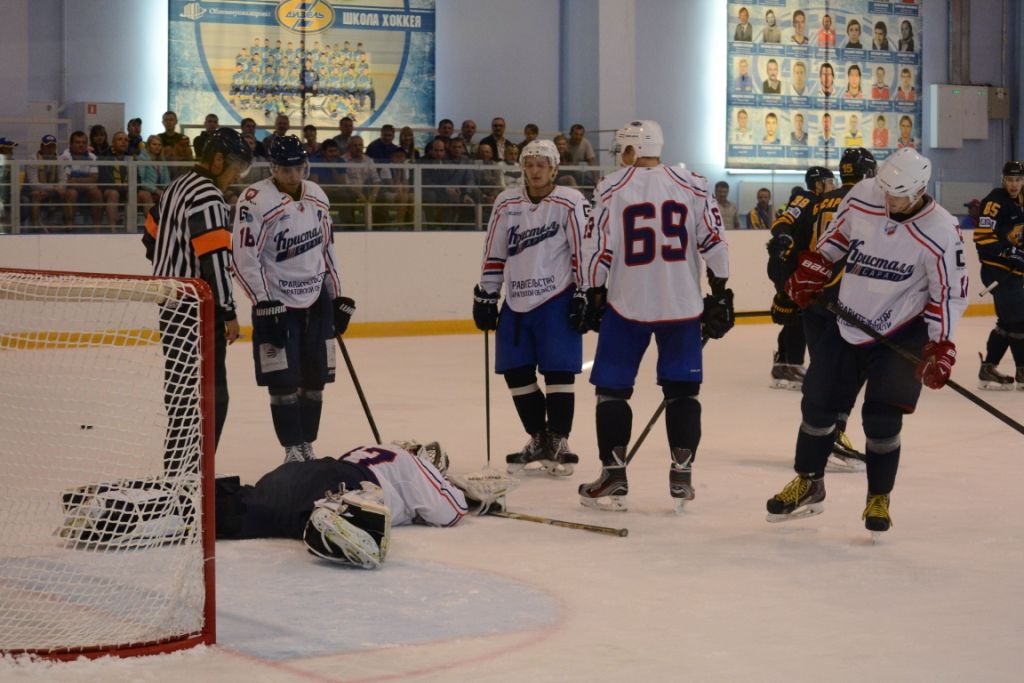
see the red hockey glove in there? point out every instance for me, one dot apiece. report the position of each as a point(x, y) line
point(812, 272)
point(936, 364)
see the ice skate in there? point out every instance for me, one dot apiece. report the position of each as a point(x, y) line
point(560, 460)
point(293, 454)
point(608, 491)
point(787, 375)
point(680, 475)
point(990, 379)
point(1020, 379)
point(844, 457)
point(876, 515)
point(307, 451)
point(531, 459)
point(802, 497)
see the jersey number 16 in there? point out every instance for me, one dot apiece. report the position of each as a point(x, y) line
point(640, 224)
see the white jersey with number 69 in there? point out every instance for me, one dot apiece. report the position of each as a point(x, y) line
point(656, 227)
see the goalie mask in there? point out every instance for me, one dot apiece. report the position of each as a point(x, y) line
point(431, 452)
point(352, 529)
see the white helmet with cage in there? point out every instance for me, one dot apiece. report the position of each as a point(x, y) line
point(644, 136)
point(905, 174)
point(540, 148)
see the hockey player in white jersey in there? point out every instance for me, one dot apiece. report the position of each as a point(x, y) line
point(284, 259)
point(656, 226)
point(905, 276)
point(533, 247)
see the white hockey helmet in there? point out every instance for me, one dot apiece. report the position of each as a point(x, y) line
point(904, 174)
point(540, 148)
point(645, 136)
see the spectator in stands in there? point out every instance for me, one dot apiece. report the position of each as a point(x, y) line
point(397, 190)
point(136, 144)
point(761, 216)
point(6, 153)
point(488, 179)
point(566, 178)
point(445, 129)
point(281, 125)
point(580, 149)
point(113, 178)
point(210, 124)
point(248, 127)
point(381, 149)
point(461, 183)
point(435, 199)
point(345, 126)
point(43, 181)
point(730, 214)
point(511, 171)
point(153, 177)
point(309, 141)
point(407, 141)
point(327, 172)
point(531, 132)
point(970, 221)
point(180, 152)
point(467, 132)
point(170, 137)
point(361, 180)
point(98, 143)
point(496, 139)
point(80, 178)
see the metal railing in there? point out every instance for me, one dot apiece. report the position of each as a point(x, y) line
point(55, 197)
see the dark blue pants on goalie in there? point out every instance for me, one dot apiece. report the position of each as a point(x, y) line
point(622, 344)
point(541, 338)
point(308, 358)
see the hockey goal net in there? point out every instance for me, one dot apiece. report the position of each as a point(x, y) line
point(106, 473)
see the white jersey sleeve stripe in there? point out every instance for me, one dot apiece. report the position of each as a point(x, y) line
point(937, 311)
point(444, 490)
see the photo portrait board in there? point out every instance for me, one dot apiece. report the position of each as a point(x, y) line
point(808, 79)
point(315, 61)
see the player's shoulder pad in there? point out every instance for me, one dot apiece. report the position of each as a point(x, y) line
point(511, 194)
point(316, 192)
point(570, 193)
point(611, 179)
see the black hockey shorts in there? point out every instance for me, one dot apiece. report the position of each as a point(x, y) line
point(308, 359)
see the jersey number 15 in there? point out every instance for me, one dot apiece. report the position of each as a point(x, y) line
point(640, 224)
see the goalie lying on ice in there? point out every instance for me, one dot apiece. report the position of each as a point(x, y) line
point(343, 508)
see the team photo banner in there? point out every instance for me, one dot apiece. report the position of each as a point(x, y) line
point(315, 61)
point(808, 79)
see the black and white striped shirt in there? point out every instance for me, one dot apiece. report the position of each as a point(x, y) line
point(193, 236)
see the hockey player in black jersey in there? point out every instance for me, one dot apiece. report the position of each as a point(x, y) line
point(1000, 245)
point(793, 232)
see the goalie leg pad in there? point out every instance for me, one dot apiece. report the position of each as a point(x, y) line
point(130, 512)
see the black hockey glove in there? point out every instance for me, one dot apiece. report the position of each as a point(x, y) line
point(784, 310)
point(780, 260)
point(1014, 258)
point(578, 312)
point(344, 307)
point(718, 317)
point(597, 302)
point(269, 324)
point(485, 309)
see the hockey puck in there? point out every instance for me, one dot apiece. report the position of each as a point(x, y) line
point(85, 426)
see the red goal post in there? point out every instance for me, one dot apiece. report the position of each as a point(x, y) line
point(106, 464)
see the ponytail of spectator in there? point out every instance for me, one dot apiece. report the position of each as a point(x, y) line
point(407, 141)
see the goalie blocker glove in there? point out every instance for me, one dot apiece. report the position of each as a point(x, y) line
point(485, 309)
point(813, 271)
point(269, 323)
point(718, 317)
point(344, 307)
point(936, 363)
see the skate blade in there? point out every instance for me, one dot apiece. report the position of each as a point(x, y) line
point(997, 386)
point(836, 464)
point(800, 513)
point(786, 384)
point(876, 537)
point(606, 503)
point(681, 505)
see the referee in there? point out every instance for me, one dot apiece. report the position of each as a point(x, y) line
point(191, 237)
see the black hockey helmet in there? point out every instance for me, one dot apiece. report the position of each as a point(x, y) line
point(816, 174)
point(1013, 168)
point(228, 142)
point(287, 151)
point(857, 164)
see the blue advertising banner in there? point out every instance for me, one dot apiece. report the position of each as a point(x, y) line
point(807, 79)
point(315, 61)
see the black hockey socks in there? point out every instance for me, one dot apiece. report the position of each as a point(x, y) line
point(528, 399)
point(995, 348)
point(682, 421)
point(883, 460)
point(287, 416)
point(561, 401)
point(614, 426)
point(813, 444)
point(311, 404)
point(792, 344)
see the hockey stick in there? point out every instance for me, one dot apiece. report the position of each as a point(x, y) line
point(565, 525)
point(851, 319)
point(487, 392)
point(359, 389)
point(654, 418)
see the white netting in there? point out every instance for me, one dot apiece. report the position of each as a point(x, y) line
point(100, 455)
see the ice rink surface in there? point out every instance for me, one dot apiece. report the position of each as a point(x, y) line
point(712, 594)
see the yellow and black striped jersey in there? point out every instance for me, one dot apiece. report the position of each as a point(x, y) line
point(1000, 227)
